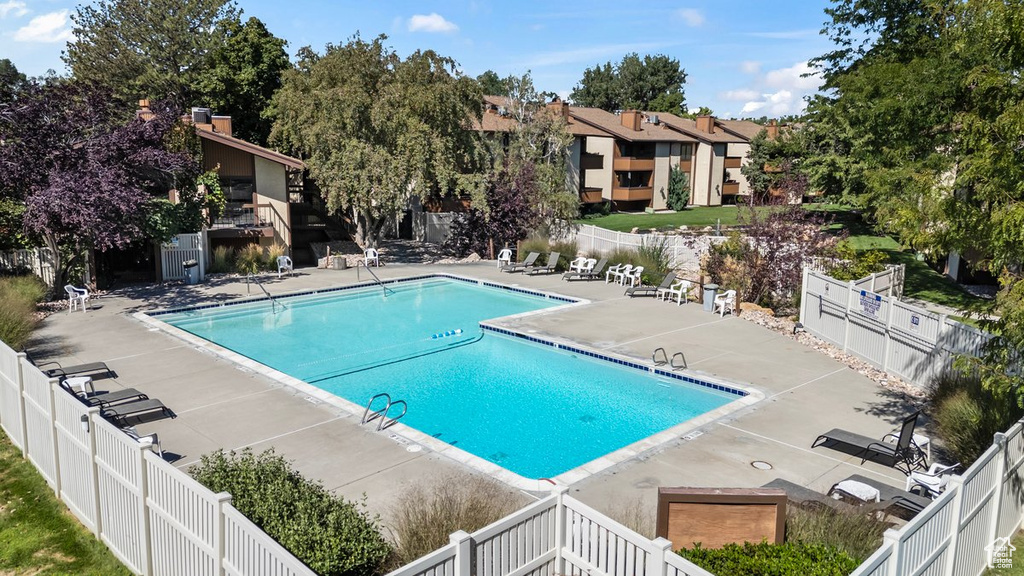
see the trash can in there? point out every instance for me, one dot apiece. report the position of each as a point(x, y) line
point(710, 290)
point(191, 271)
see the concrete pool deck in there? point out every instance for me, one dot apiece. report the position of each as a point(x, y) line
point(221, 405)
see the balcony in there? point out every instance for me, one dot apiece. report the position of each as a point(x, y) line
point(591, 196)
point(730, 188)
point(631, 164)
point(636, 194)
point(733, 162)
point(245, 220)
point(685, 165)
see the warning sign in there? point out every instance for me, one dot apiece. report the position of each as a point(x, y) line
point(870, 303)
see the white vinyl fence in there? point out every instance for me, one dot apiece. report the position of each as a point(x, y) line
point(39, 261)
point(180, 249)
point(686, 251)
point(155, 518)
point(904, 340)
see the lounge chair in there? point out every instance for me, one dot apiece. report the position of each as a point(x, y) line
point(106, 398)
point(117, 413)
point(76, 297)
point(531, 258)
point(75, 370)
point(904, 455)
point(807, 498)
point(593, 274)
point(504, 257)
point(284, 264)
point(680, 289)
point(545, 269)
point(634, 291)
point(724, 301)
point(615, 273)
point(900, 500)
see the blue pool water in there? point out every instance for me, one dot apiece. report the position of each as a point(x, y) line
point(527, 407)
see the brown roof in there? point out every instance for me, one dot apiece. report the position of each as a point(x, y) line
point(494, 122)
point(611, 124)
point(251, 148)
point(744, 128)
point(689, 127)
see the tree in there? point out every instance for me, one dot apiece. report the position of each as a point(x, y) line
point(775, 166)
point(241, 75)
point(653, 83)
point(86, 179)
point(377, 130)
point(10, 80)
point(678, 189)
point(147, 48)
point(492, 84)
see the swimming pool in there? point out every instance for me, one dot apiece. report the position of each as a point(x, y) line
point(532, 407)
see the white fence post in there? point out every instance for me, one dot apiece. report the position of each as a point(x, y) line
point(656, 565)
point(803, 294)
point(145, 536)
point(53, 435)
point(223, 499)
point(892, 537)
point(94, 470)
point(560, 528)
point(20, 380)
point(846, 318)
point(993, 528)
point(887, 343)
point(955, 483)
point(463, 552)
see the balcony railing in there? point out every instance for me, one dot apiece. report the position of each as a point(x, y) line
point(635, 194)
point(733, 162)
point(590, 195)
point(730, 188)
point(631, 164)
point(247, 216)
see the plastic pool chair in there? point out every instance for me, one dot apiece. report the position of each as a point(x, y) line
point(616, 272)
point(634, 291)
point(892, 498)
point(504, 257)
point(579, 264)
point(680, 290)
point(531, 258)
point(632, 277)
point(106, 398)
point(284, 264)
point(545, 269)
point(371, 256)
point(723, 301)
point(76, 297)
point(147, 439)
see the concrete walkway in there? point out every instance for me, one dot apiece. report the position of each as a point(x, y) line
point(220, 405)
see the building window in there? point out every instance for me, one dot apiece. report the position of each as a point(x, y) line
point(237, 190)
point(686, 153)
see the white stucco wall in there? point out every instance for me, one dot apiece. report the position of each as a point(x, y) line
point(272, 188)
point(602, 177)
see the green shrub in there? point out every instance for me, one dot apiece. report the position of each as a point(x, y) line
point(967, 415)
point(222, 260)
point(789, 559)
point(678, 189)
point(426, 515)
point(272, 253)
point(250, 260)
point(533, 244)
point(568, 249)
point(856, 264)
point(18, 298)
point(855, 533)
point(330, 534)
point(654, 256)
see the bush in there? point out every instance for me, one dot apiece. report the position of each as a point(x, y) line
point(855, 533)
point(271, 256)
point(468, 233)
point(620, 256)
point(789, 559)
point(533, 244)
point(426, 515)
point(223, 260)
point(18, 298)
point(856, 265)
point(967, 414)
point(654, 256)
point(249, 260)
point(568, 249)
point(635, 515)
point(328, 533)
point(678, 189)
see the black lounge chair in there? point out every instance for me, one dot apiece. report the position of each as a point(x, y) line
point(545, 269)
point(117, 413)
point(105, 398)
point(594, 274)
point(807, 498)
point(904, 455)
point(906, 503)
point(520, 266)
point(76, 370)
point(651, 290)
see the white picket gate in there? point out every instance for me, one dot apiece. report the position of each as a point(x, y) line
point(180, 249)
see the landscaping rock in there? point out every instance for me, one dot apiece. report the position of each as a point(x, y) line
point(751, 307)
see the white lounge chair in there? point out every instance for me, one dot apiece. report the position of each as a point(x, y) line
point(76, 296)
point(371, 256)
point(678, 291)
point(504, 257)
point(724, 301)
point(578, 264)
point(615, 273)
point(631, 278)
point(284, 264)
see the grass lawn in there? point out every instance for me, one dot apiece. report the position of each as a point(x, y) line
point(38, 535)
point(1017, 567)
point(700, 216)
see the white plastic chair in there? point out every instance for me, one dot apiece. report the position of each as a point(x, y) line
point(504, 257)
point(76, 296)
point(284, 264)
point(723, 301)
point(578, 264)
point(632, 278)
point(588, 266)
point(617, 272)
point(680, 290)
point(933, 481)
point(371, 255)
point(145, 439)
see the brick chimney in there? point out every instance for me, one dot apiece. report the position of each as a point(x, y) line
point(559, 108)
point(144, 112)
point(773, 130)
point(706, 124)
point(631, 119)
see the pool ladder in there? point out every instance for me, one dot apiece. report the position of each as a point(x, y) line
point(662, 359)
point(370, 415)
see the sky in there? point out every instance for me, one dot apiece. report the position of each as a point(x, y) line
point(743, 58)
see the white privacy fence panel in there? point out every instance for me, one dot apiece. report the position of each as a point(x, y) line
point(11, 407)
point(78, 479)
point(432, 227)
point(180, 249)
point(904, 340)
point(38, 413)
point(523, 542)
point(39, 261)
point(686, 251)
point(248, 550)
point(121, 476)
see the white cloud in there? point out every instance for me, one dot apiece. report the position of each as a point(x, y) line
point(13, 7)
point(779, 103)
point(739, 95)
point(691, 16)
point(793, 78)
point(432, 22)
point(750, 66)
point(46, 28)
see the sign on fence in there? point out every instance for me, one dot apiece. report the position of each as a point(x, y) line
point(870, 303)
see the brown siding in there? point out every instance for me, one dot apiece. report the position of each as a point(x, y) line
point(626, 164)
point(232, 162)
point(632, 194)
point(734, 162)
